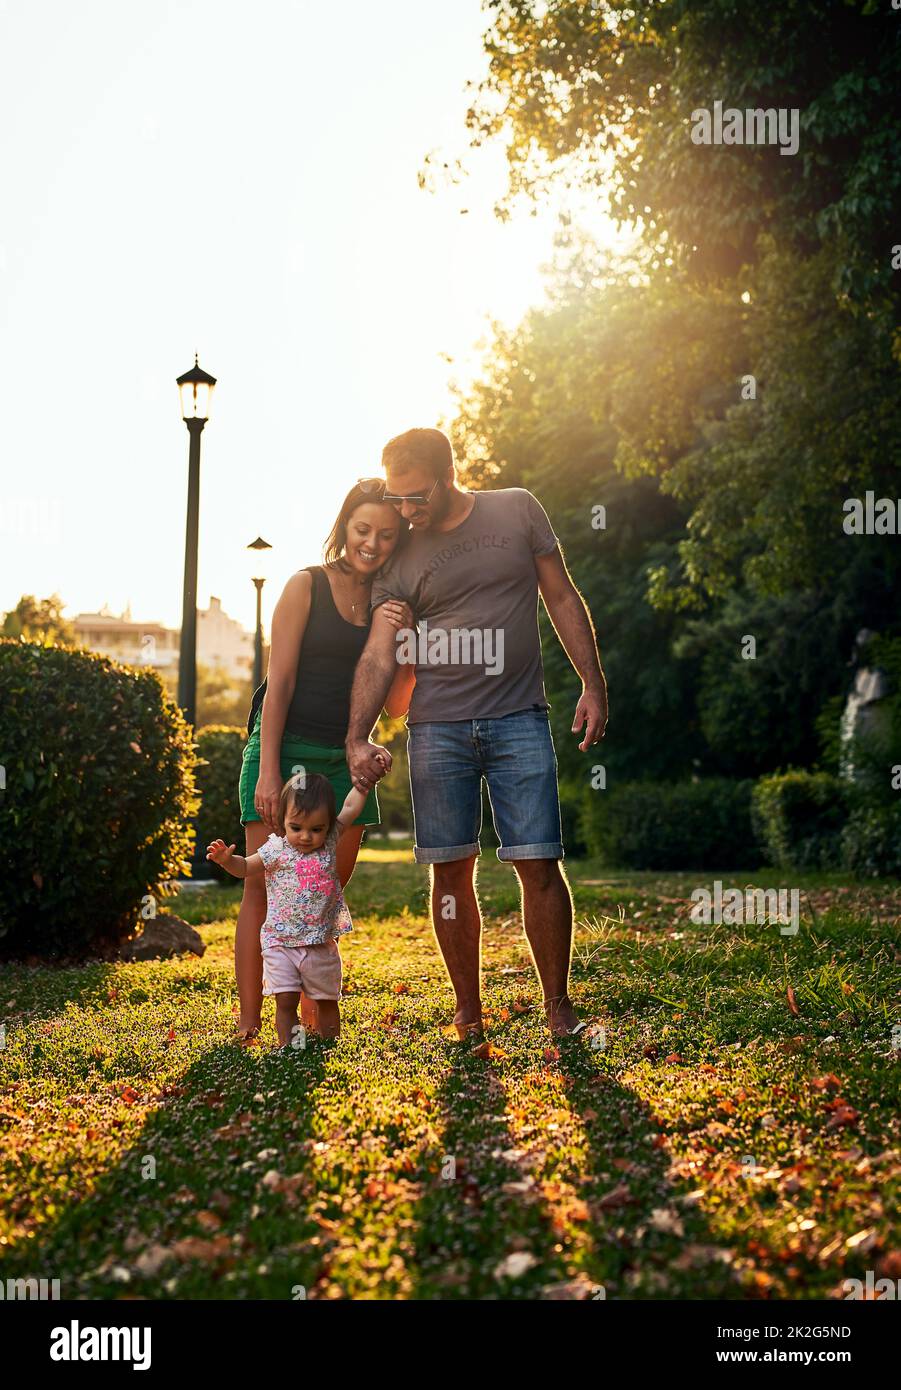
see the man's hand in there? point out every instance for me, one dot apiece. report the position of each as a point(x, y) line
point(591, 712)
point(368, 763)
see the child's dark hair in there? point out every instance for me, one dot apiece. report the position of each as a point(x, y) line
point(304, 792)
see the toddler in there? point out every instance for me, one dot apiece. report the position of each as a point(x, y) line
point(305, 907)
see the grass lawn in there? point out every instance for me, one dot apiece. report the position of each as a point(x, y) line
point(735, 1135)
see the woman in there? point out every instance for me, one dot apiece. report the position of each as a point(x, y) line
point(298, 717)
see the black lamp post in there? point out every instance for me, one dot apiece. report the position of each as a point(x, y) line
point(195, 389)
point(259, 547)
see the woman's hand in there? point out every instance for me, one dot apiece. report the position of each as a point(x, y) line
point(266, 798)
point(399, 615)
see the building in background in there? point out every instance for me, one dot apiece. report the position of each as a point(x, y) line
point(222, 643)
point(119, 637)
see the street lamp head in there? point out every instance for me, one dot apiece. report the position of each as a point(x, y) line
point(259, 559)
point(195, 388)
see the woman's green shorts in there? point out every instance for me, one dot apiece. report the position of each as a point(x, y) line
point(312, 757)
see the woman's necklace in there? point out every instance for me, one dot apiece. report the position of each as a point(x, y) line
point(364, 584)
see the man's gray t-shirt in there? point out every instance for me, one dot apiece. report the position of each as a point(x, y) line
point(474, 594)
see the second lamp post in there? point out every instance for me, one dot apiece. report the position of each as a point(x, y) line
point(260, 550)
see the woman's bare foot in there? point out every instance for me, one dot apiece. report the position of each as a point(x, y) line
point(247, 1035)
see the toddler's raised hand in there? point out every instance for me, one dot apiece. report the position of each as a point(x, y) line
point(219, 852)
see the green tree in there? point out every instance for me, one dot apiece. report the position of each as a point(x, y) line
point(39, 620)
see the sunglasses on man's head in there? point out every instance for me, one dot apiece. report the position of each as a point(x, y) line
point(397, 499)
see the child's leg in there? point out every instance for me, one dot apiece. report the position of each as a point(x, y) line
point(286, 1016)
point(329, 1021)
point(321, 975)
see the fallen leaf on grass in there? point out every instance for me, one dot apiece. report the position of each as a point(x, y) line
point(619, 1196)
point(666, 1220)
point(515, 1265)
point(844, 1115)
point(792, 1003)
point(208, 1220)
point(489, 1049)
point(580, 1289)
point(150, 1260)
point(826, 1083)
point(130, 1095)
point(862, 1240)
point(196, 1248)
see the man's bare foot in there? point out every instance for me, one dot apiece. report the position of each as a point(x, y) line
point(561, 1016)
point(467, 1027)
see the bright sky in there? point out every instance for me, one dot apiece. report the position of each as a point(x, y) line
point(240, 181)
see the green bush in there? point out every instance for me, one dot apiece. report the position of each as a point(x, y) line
point(573, 797)
point(98, 768)
point(871, 841)
point(219, 752)
point(672, 825)
point(798, 818)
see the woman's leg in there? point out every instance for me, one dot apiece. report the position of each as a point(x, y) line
point(348, 849)
point(248, 956)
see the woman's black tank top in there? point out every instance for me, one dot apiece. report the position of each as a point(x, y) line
point(331, 647)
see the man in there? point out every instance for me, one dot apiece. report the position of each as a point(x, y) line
point(471, 571)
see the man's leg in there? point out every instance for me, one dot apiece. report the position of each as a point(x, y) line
point(446, 785)
point(547, 914)
point(522, 782)
point(458, 929)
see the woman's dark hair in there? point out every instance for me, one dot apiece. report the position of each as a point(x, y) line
point(358, 497)
point(304, 792)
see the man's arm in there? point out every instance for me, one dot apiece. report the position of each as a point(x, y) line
point(569, 614)
point(373, 677)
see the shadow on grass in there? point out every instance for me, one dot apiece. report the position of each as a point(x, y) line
point(515, 1218)
point(31, 992)
point(209, 1201)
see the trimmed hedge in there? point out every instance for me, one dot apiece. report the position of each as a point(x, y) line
point(220, 749)
point(799, 817)
point(871, 841)
point(98, 766)
point(672, 825)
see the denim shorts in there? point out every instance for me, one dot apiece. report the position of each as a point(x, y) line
point(515, 755)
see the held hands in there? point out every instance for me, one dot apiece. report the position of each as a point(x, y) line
point(220, 853)
point(591, 712)
point(368, 764)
